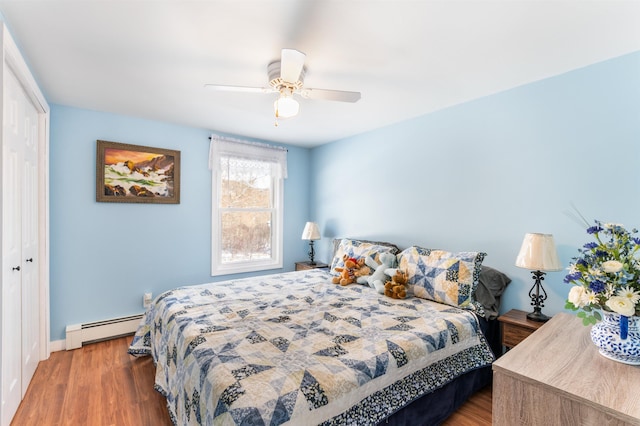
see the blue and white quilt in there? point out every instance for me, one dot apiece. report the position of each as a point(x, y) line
point(296, 349)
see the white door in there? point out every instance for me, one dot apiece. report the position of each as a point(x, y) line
point(12, 153)
point(20, 295)
point(30, 268)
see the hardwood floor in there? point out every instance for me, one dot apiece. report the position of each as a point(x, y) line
point(475, 412)
point(100, 384)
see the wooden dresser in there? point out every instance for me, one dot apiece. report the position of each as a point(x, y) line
point(557, 377)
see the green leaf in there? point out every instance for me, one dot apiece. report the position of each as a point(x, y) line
point(581, 315)
point(571, 306)
point(597, 315)
point(587, 308)
point(585, 321)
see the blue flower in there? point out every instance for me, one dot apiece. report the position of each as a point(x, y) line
point(572, 277)
point(601, 253)
point(597, 286)
point(592, 270)
point(594, 229)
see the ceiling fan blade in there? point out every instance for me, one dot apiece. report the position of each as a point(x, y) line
point(245, 89)
point(291, 64)
point(330, 95)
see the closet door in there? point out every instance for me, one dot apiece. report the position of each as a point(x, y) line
point(12, 168)
point(28, 133)
point(21, 297)
point(24, 226)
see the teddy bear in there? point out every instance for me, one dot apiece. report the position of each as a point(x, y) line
point(363, 271)
point(347, 274)
point(397, 287)
point(377, 279)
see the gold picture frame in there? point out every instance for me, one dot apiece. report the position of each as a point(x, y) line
point(137, 174)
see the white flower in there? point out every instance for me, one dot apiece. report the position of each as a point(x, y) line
point(590, 298)
point(612, 266)
point(608, 270)
point(621, 305)
point(610, 290)
point(596, 272)
point(630, 294)
point(576, 296)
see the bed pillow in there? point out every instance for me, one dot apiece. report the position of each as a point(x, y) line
point(442, 276)
point(359, 248)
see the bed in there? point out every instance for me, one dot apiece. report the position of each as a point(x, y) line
point(294, 348)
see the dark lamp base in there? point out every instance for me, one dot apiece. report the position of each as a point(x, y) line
point(537, 316)
point(538, 296)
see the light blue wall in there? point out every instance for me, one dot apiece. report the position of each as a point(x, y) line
point(472, 177)
point(105, 256)
point(478, 176)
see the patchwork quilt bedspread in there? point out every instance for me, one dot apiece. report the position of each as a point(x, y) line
point(295, 349)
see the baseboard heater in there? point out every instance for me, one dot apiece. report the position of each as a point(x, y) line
point(80, 334)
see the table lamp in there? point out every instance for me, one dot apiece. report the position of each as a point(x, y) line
point(311, 233)
point(538, 253)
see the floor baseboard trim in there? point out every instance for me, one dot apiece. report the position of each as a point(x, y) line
point(57, 345)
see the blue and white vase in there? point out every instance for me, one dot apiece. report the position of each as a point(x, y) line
point(618, 337)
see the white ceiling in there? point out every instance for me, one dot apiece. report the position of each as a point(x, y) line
point(151, 59)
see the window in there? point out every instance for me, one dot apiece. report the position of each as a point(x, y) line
point(247, 183)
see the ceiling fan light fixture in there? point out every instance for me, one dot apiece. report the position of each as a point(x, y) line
point(286, 106)
point(286, 77)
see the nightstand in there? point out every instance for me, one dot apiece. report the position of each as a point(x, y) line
point(301, 266)
point(516, 327)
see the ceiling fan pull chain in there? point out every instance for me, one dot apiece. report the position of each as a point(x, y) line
point(276, 119)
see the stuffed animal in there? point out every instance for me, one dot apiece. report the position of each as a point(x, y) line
point(364, 270)
point(377, 279)
point(347, 274)
point(397, 287)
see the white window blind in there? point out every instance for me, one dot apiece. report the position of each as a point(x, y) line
point(247, 184)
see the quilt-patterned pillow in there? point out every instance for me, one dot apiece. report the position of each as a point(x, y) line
point(358, 249)
point(442, 276)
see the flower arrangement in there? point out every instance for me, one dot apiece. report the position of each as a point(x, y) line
point(606, 274)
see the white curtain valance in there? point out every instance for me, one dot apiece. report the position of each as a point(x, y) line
point(227, 147)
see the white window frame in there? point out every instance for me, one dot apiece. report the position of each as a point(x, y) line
point(225, 147)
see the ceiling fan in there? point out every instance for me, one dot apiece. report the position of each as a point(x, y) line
point(286, 77)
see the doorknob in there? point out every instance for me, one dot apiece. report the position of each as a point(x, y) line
point(17, 268)
point(29, 259)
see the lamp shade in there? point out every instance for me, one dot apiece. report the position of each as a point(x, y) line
point(286, 106)
point(538, 252)
point(311, 231)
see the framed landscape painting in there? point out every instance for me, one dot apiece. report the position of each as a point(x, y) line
point(137, 174)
